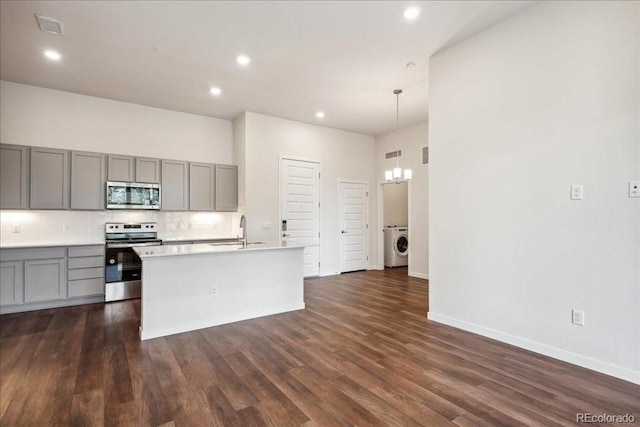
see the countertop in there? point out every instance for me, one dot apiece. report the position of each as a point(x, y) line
point(77, 242)
point(198, 239)
point(207, 248)
point(50, 244)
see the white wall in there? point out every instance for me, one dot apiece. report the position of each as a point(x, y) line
point(50, 118)
point(396, 203)
point(410, 140)
point(343, 155)
point(518, 113)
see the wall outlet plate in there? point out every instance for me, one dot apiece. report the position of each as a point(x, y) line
point(576, 192)
point(213, 290)
point(577, 317)
point(15, 228)
point(634, 188)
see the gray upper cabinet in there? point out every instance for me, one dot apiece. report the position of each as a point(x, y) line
point(88, 179)
point(147, 170)
point(201, 187)
point(49, 174)
point(121, 168)
point(226, 188)
point(14, 177)
point(175, 185)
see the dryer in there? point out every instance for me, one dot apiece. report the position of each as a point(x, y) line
point(396, 246)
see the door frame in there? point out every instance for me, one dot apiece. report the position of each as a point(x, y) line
point(367, 220)
point(381, 184)
point(279, 224)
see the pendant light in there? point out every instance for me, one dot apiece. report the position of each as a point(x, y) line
point(397, 172)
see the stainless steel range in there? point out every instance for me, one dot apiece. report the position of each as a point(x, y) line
point(123, 268)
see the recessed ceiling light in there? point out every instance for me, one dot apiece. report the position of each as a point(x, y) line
point(320, 114)
point(411, 12)
point(215, 91)
point(243, 60)
point(52, 55)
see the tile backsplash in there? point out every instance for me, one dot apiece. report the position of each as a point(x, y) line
point(71, 226)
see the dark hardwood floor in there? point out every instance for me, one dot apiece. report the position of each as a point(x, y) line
point(362, 353)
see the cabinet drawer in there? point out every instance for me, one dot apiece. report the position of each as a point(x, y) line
point(31, 253)
point(86, 262)
point(82, 288)
point(86, 273)
point(80, 251)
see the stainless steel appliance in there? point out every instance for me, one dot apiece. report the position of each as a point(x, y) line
point(132, 195)
point(123, 268)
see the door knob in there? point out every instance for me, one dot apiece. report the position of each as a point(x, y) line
point(343, 232)
point(285, 235)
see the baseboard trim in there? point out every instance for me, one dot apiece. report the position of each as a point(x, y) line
point(419, 275)
point(9, 309)
point(554, 352)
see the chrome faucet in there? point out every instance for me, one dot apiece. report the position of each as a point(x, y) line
point(243, 225)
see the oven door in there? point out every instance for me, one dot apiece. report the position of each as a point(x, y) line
point(122, 264)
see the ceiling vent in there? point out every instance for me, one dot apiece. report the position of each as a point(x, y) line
point(393, 154)
point(425, 155)
point(49, 25)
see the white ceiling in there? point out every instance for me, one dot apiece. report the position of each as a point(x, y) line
point(344, 58)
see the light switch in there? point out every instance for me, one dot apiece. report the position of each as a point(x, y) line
point(576, 192)
point(634, 189)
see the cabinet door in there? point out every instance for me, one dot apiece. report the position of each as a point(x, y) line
point(147, 170)
point(201, 187)
point(45, 280)
point(88, 179)
point(11, 283)
point(14, 177)
point(226, 188)
point(175, 185)
point(121, 168)
point(49, 179)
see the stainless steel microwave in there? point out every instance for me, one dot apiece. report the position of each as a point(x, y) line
point(132, 195)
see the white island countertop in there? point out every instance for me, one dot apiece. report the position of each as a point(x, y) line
point(211, 248)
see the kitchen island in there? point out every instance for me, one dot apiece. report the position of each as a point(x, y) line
point(194, 286)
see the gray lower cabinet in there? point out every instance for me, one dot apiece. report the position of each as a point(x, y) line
point(88, 177)
point(121, 168)
point(86, 271)
point(45, 280)
point(44, 277)
point(226, 188)
point(148, 170)
point(49, 173)
point(201, 187)
point(11, 282)
point(175, 185)
point(14, 177)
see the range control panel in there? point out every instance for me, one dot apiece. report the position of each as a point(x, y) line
point(143, 227)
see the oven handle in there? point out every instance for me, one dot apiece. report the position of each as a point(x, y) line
point(131, 245)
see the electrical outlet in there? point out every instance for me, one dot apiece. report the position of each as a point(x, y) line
point(213, 290)
point(576, 192)
point(16, 228)
point(65, 227)
point(266, 225)
point(634, 189)
point(577, 317)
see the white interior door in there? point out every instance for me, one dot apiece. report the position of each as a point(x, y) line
point(300, 209)
point(354, 218)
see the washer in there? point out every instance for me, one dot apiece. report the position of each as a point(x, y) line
point(396, 246)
